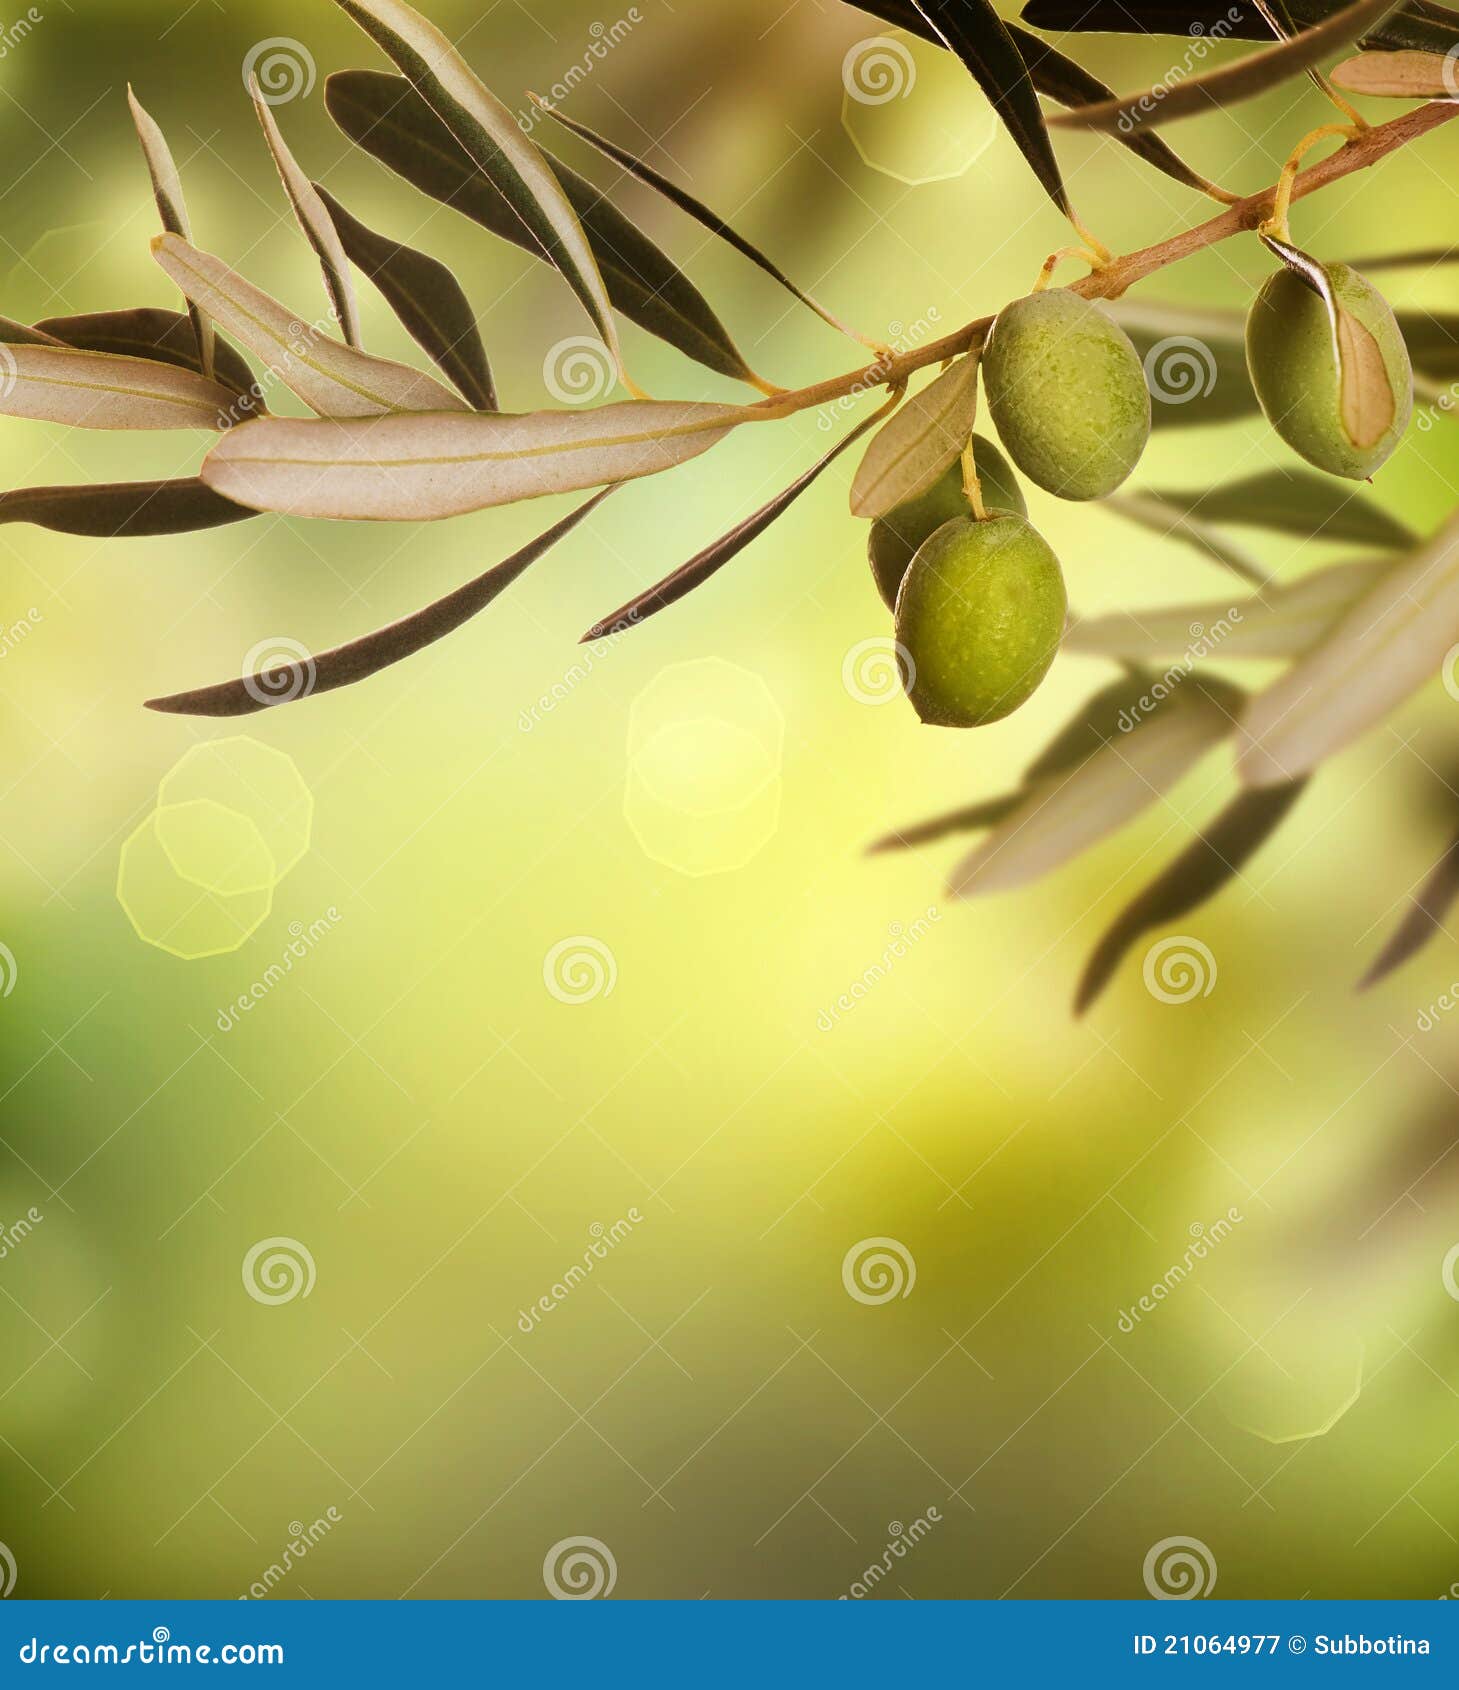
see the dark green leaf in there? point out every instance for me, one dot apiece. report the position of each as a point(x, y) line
point(385, 116)
point(1216, 856)
point(20, 334)
point(1241, 80)
point(1059, 78)
point(361, 658)
point(1433, 342)
point(1292, 501)
point(166, 337)
point(975, 32)
point(1425, 918)
point(713, 558)
point(686, 202)
point(1422, 27)
point(1422, 259)
point(428, 300)
point(122, 510)
point(172, 208)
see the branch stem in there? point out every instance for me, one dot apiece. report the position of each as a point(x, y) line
point(1375, 142)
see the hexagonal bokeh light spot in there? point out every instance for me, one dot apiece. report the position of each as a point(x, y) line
point(905, 106)
point(705, 747)
point(215, 848)
point(245, 775)
point(177, 915)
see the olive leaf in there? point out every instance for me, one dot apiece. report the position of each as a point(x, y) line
point(1366, 399)
point(385, 116)
point(330, 377)
point(1420, 25)
point(21, 334)
point(1292, 501)
point(1394, 639)
point(1425, 918)
point(1150, 512)
point(1279, 622)
point(362, 658)
point(313, 219)
point(1399, 76)
point(1061, 817)
point(1229, 83)
point(427, 299)
point(919, 442)
point(713, 558)
point(102, 390)
point(1423, 258)
point(122, 510)
point(973, 30)
point(686, 202)
point(1216, 856)
point(1058, 78)
point(1093, 725)
point(167, 337)
point(420, 468)
point(1432, 339)
point(495, 142)
point(172, 208)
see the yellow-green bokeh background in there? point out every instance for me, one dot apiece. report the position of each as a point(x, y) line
point(443, 1133)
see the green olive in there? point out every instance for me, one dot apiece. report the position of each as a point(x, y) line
point(1067, 392)
point(1341, 399)
point(979, 617)
point(896, 536)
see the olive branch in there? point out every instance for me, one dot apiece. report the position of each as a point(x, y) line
point(952, 549)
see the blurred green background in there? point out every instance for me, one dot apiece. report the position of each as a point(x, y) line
point(439, 1106)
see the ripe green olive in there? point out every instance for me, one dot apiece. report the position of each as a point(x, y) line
point(1067, 392)
point(1340, 399)
point(896, 536)
point(980, 617)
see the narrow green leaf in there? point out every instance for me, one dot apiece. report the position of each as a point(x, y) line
point(1230, 83)
point(919, 442)
point(1064, 815)
point(701, 213)
point(385, 116)
point(357, 661)
point(975, 32)
point(1432, 339)
point(167, 337)
point(428, 300)
point(313, 219)
point(1425, 917)
point(99, 390)
point(713, 558)
point(1278, 622)
point(1216, 856)
point(172, 208)
point(1393, 640)
point(420, 468)
point(1160, 518)
point(1058, 78)
point(492, 137)
point(1429, 28)
point(122, 510)
point(330, 377)
point(20, 334)
point(1293, 501)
